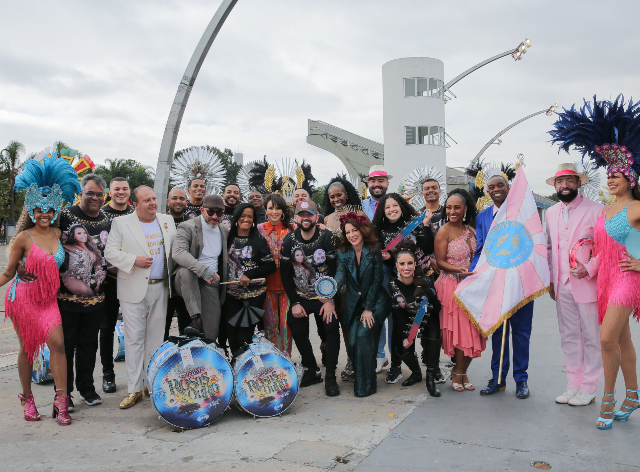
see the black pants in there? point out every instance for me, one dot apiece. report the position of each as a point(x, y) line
point(300, 333)
point(81, 338)
point(238, 336)
point(108, 325)
point(430, 341)
point(176, 305)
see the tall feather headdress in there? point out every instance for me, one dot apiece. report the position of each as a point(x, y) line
point(483, 172)
point(607, 132)
point(283, 177)
point(198, 163)
point(412, 185)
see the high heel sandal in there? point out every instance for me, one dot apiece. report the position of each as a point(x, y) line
point(60, 409)
point(620, 415)
point(456, 386)
point(608, 424)
point(468, 385)
point(30, 413)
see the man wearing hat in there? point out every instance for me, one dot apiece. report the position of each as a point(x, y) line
point(378, 183)
point(307, 254)
point(200, 256)
point(574, 290)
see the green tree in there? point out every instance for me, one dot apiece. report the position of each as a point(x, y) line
point(10, 164)
point(136, 173)
point(553, 197)
point(318, 195)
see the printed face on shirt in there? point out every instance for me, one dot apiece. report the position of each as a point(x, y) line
point(298, 255)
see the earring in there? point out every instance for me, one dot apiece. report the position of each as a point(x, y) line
point(282, 217)
point(464, 218)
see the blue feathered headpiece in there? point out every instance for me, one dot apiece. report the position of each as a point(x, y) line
point(608, 132)
point(48, 184)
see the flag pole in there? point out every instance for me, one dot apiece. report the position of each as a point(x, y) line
point(504, 332)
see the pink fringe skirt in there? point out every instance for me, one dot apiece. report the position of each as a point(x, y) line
point(456, 329)
point(614, 286)
point(34, 310)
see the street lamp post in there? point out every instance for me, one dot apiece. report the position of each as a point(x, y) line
point(547, 111)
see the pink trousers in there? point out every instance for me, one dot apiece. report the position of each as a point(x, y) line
point(580, 340)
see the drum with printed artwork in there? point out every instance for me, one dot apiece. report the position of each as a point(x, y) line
point(41, 372)
point(267, 381)
point(191, 384)
point(118, 342)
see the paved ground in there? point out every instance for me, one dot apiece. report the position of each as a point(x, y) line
point(396, 429)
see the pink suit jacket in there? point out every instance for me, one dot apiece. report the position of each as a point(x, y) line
point(583, 221)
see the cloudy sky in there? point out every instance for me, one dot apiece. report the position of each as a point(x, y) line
point(101, 76)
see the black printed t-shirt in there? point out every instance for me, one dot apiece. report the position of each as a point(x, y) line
point(228, 216)
point(302, 262)
point(84, 270)
point(423, 239)
point(113, 213)
point(405, 306)
point(252, 257)
point(192, 211)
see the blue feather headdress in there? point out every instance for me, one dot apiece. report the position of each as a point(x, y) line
point(48, 184)
point(608, 132)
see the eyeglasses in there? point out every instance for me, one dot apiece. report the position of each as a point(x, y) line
point(91, 194)
point(213, 211)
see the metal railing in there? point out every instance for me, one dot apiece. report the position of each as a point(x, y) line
point(346, 138)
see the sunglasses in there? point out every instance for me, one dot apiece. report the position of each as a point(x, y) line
point(214, 211)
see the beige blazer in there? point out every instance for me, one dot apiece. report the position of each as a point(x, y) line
point(188, 245)
point(126, 242)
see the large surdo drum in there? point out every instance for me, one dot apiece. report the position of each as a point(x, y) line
point(267, 381)
point(191, 382)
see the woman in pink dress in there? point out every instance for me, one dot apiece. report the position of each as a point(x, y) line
point(455, 245)
point(32, 306)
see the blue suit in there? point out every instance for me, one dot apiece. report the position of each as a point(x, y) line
point(519, 324)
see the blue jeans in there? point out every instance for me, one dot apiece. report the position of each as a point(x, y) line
point(388, 272)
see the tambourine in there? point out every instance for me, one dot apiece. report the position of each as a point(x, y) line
point(573, 263)
point(326, 287)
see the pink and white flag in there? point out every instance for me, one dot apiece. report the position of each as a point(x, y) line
point(512, 269)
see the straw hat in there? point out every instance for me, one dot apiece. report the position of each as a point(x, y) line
point(567, 169)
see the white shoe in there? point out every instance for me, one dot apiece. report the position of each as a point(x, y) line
point(568, 394)
point(381, 363)
point(582, 399)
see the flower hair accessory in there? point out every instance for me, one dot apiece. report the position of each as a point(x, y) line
point(352, 216)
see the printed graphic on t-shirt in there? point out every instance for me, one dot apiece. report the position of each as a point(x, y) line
point(304, 269)
point(83, 272)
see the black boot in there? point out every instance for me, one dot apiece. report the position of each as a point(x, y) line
point(413, 379)
point(311, 377)
point(195, 329)
point(109, 382)
point(331, 386)
point(432, 386)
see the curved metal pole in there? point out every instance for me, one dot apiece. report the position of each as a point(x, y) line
point(165, 159)
point(486, 146)
point(474, 68)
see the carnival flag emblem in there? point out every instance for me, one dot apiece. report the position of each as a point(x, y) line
point(512, 269)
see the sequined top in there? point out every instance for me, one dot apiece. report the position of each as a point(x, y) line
point(619, 229)
point(274, 236)
point(461, 250)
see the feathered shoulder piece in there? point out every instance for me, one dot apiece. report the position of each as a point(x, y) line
point(284, 177)
point(607, 132)
point(48, 183)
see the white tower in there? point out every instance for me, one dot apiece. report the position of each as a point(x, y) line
point(413, 115)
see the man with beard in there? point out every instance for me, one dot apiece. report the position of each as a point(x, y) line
point(575, 289)
point(119, 192)
point(231, 197)
point(197, 189)
point(256, 200)
point(378, 183)
point(307, 254)
point(520, 322)
point(301, 195)
point(177, 204)
point(200, 255)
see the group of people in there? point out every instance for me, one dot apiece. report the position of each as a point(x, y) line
point(227, 269)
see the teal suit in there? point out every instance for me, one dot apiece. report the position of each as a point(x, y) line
point(364, 292)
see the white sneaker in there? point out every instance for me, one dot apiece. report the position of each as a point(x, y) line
point(568, 394)
point(582, 399)
point(381, 363)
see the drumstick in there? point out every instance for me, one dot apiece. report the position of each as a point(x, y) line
point(237, 281)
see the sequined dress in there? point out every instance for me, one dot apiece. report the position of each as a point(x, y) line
point(456, 329)
point(32, 306)
point(613, 237)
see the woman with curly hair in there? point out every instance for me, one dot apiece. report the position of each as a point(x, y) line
point(367, 304)
point(455, 246)
point(276, 305)
point(340, 197)
point(82, 272)
point(392, 215)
